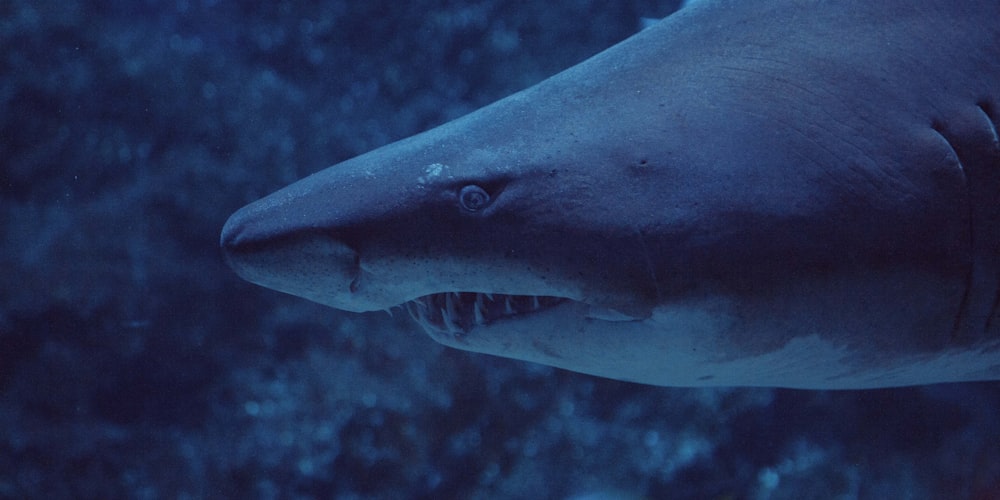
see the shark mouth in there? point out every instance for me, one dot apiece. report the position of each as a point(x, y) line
point(458, 312)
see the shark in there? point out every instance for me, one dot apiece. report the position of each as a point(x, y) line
point(779, 193)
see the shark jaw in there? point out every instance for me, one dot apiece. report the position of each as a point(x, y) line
point(457, 313)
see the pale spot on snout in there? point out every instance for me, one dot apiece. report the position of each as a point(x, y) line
point(431, 172)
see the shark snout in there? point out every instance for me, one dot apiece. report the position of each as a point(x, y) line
point(301, 261)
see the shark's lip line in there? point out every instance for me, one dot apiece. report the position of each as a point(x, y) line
point(457, 313)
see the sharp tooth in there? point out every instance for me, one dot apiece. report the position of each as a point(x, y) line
point(489, 296)
point(480, 320)
point(507, 307)
point(534, 303)
point(389, 312)
point(448, 323)
point(418, 314)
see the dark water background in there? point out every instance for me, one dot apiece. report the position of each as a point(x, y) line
point(133, 364)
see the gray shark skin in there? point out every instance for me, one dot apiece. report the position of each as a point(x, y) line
point(789, 193)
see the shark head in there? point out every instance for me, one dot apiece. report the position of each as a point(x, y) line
point(467, 226)
point(802, 203)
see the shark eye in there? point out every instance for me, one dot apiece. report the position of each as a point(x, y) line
point(473, 198)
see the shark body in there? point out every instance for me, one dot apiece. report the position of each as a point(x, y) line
point(787, 193)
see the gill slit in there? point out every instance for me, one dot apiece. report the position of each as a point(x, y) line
point(992, 122)
point(964, 304)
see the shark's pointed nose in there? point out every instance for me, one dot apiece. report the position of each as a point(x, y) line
point(297, 260)
point(245, 235)
point(246, 231)
point(231, 238)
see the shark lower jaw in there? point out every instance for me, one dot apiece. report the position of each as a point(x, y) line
point(457, 313)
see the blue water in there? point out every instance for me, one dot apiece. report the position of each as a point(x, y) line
point(134, 364)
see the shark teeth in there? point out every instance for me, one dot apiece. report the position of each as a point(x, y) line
point(456, 313)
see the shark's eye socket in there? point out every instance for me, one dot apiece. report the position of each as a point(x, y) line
point(473, 198)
